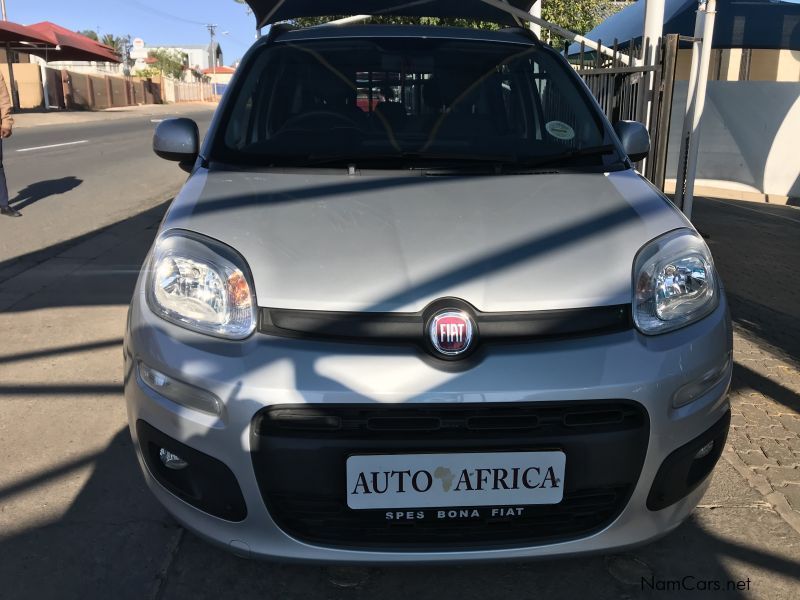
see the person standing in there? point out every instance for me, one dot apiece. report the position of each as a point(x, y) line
point(6, 124)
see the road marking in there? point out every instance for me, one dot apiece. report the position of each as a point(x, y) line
point(52, 146)
point(767, 212)
point(156, 120)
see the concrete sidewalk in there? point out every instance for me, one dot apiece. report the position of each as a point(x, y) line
point(50, 118)
point(76, 520)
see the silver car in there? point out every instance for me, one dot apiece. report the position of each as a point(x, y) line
point(414, 303)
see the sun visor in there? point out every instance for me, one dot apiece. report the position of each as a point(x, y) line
point(272, 11)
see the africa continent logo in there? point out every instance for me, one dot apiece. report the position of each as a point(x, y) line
point(444, 475)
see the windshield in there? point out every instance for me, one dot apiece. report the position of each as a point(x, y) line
point(409, 102)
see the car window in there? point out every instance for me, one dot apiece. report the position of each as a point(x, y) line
point(396, 102)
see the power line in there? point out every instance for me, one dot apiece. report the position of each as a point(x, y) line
point(150, 10)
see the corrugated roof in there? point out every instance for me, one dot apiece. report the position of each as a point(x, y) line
point(73, 46)
point(219, 70)
point(16, 33)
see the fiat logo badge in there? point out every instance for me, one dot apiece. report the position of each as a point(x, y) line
point(451, 332)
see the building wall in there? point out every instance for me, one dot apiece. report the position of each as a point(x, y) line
point(748, 143)
point(197, 57)
point(20, 57)
point(28, 78)
point(224, 78)
point(737, 64)
point(80, 66)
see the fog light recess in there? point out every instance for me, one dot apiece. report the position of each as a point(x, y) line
point(172, 461)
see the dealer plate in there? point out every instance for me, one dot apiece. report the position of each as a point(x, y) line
point(448, 480)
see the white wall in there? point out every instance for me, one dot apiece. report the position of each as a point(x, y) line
point(750, 136)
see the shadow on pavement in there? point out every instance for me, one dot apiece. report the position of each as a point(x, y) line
point(115, 541)
point(109, 543)
point(756, 249)
point(44, 189)
point(746, 378)
point(109, 258)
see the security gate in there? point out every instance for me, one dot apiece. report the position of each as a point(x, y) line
point(623, 93)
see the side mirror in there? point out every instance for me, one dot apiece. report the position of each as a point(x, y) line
point(635, 139)
point(178, 140)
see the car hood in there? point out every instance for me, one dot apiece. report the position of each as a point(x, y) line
point(396, 242)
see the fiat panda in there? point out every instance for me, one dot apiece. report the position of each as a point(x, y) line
point(414, 303)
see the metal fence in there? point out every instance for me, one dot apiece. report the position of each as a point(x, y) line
point(624, 93)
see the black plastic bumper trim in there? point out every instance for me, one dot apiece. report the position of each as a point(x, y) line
point(681, 472)
point(206, 483)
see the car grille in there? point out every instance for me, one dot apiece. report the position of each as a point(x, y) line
point(299, 454)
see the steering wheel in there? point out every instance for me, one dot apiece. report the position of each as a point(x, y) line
point(325, 115)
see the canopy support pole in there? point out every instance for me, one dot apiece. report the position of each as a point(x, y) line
point(346, 20)
point(709, 7)
point(525, 17)
point(565, 33)
point(651, 38)
point(536, 13)
point(688, 115)
point(653, 29)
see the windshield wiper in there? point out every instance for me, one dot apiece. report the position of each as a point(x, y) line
point(565, 156)
point(408, 159)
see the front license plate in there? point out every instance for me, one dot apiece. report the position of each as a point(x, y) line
point(445, 480)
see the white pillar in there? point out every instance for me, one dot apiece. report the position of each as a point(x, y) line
point(702, 84)
point(653, 27)
point(691, 99)
point(45, 86)
point(536, 11)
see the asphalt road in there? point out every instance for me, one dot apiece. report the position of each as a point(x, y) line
point(69, 180)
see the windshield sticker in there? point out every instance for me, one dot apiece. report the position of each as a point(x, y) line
point(560, 130)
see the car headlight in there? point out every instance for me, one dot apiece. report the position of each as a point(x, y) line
point(201, 284)
point(674, 282)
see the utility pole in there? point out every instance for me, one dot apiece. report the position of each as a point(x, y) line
point(212, 30)
point(3, 5)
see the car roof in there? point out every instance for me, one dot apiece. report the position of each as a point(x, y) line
point(511, 35)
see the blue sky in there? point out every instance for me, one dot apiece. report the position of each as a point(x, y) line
point(155, 21)
point(164, 22)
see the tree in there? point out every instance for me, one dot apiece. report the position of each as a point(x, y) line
point(147, 73)
point(311, 21)
point(112, 41)
point(169, 62)
point(92, 35)
point(575, 15)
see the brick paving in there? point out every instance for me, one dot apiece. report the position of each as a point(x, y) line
point(757, 252)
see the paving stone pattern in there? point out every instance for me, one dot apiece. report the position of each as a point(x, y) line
point(757, 251)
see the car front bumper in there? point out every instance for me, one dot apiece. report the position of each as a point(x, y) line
point(264, 371)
